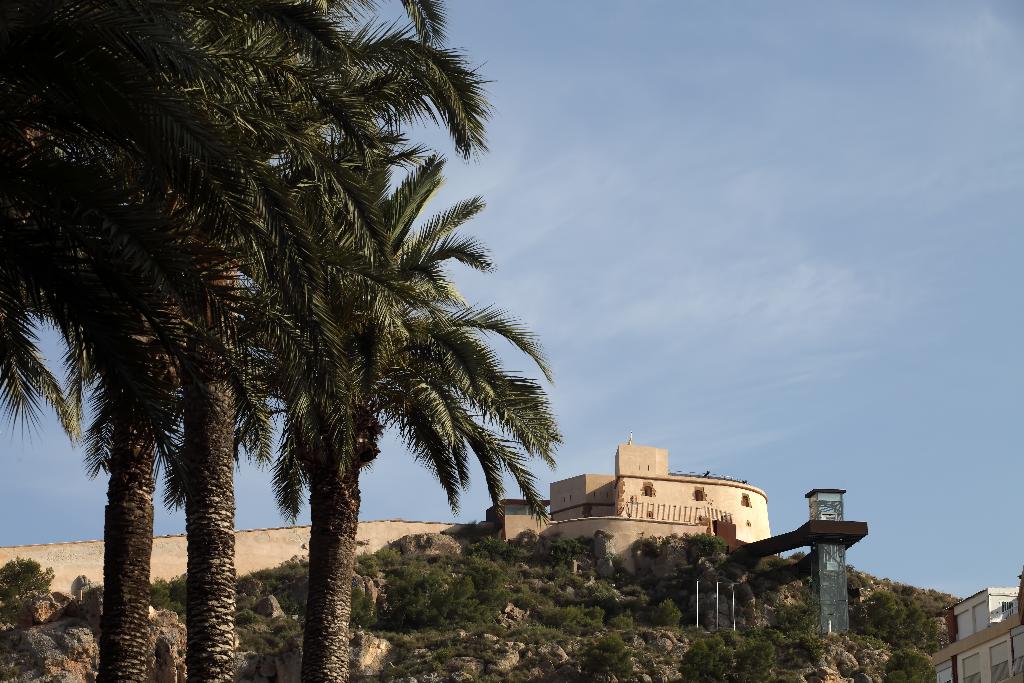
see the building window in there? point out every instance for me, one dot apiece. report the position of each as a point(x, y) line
point(745, 500)
point(698, 494)
point(648, 489)
point(748, 522)
point(972, 668)
point(999, 656)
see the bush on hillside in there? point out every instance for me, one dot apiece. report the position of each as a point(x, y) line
point(572, 618)
point(169, 595)
point(796, 618)
point(19, 579)
point(622, 622)
point(909, 666)
point(427, 596)
point(562, 551)
point(705, 546)
point(666, 614)
point(897, 620)
point(288, 582)
point(755, 659)
point(607, 655)
point(496, 550)
point(363, 612)
point(707, 661)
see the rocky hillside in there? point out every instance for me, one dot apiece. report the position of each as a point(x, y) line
point(433, 610)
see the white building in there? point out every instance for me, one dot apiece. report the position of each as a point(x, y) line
point(986, 639)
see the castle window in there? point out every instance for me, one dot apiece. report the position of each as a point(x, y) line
point(648, 489)
point(698, 493)
point(748, 522)
point(745, 500)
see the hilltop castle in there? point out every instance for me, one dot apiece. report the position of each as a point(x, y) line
point(643, 498)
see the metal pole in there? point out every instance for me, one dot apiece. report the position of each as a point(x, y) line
point(733, 610)
point(698, 603)
point(717, 609)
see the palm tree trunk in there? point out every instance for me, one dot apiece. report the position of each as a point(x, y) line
point(334, 510)
point(127, 549)
point(209, 455)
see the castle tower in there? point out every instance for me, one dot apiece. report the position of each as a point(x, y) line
point(640, 461)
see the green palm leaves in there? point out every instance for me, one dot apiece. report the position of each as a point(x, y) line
point(199, 198)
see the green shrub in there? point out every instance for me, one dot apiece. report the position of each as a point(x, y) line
point(572, 617)
point(897, 620)
point(622, 622)
point(909, 666)
point(607, 655)
point(288, 582)
point(363, 612)
point(485, 574)
point(666, 614)
point(755, 659)
point(169, 595)
point(812, 646)
point(705, 546)
point(707, 661)
point(419, 596)
point(495, 549)
point(245, 617)
point(269, 636)
point(562, 551)
point(796, 618)
point(20, 578)
point(648, 546)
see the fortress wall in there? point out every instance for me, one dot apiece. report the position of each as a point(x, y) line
point(254, 549)
point(674, 500)
point(571, 498)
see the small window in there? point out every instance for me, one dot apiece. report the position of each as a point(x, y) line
point(748, 522)
point(972, 669)
point(648, 489)
point(999, 657)
point(745, 500)
point(698, 494)
point(650, 514)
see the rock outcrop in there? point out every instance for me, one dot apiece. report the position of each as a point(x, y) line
point(57, 641)
point(269, 607)
point(427, 545)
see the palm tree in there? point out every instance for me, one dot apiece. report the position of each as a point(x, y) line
point(414, 359)
point(359, 98)
point(123, 186)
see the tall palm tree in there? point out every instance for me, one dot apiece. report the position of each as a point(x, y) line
point(127, 173)
point(415, 359)
point(360, 98)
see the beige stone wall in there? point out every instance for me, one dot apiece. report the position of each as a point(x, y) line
point(517, 524)
point(624, 532)
point(254, 549)
point(673, 499)
point(570, 498)
point(641, 461)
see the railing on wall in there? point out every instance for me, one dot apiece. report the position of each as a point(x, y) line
point(709, 475)
point(664, 512)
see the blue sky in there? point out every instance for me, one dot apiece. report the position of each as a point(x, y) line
point(781, 240)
